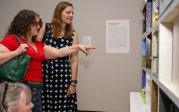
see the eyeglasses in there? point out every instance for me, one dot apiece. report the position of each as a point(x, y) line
point(40, 23)
point(4, 96)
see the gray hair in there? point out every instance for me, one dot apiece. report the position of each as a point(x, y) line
point(10, 95)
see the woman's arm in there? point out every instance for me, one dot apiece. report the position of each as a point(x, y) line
point(6, 54)
point(74, 59)
point(40, 33)
point(74, 67)
point(52, 53)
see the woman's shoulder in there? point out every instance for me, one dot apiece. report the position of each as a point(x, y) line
point(12, 38)
point(9, 36)
point(11, 42)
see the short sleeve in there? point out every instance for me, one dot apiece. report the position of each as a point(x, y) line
point(10, 42)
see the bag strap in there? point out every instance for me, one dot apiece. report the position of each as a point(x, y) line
point(18, 39)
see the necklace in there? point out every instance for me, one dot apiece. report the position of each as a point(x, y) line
point(32, 45)
point(30, 42)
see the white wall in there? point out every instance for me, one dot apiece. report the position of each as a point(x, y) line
point(104, 80)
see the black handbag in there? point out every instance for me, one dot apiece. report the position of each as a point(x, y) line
point(15, 69)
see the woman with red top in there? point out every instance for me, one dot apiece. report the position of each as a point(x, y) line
point(26, 26)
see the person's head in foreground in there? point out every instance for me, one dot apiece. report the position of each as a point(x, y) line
point(15, 97)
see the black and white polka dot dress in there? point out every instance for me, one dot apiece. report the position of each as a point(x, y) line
point(57, 78)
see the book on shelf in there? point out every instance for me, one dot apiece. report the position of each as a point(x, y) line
point(148, 52)
point(143, 81)
point(143, 10)
point(144, 47)
point(148, 16)
point(143, 90)
point(144, 50)
point(148, 92)
point(144, 21)
point(154, 100)
point(155, 11)
point(155, 43)
point(154, 66)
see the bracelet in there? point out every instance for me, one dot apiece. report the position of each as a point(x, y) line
point(74, 82)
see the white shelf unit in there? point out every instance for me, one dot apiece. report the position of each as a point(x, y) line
point(169, 52)
point(167, 78)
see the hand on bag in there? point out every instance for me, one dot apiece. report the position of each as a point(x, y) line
point(86, 49)
point(21, 49)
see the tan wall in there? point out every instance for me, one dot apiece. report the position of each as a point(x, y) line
point(104, 80)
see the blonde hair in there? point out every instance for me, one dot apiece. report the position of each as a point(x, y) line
point(56, 20)
point(10, 95)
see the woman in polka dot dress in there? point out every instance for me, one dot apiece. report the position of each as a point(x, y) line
point(60, 75)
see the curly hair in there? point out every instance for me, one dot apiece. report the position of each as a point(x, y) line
point(56, 20)
point(21, 23)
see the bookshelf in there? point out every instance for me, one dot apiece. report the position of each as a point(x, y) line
point(160, 55)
